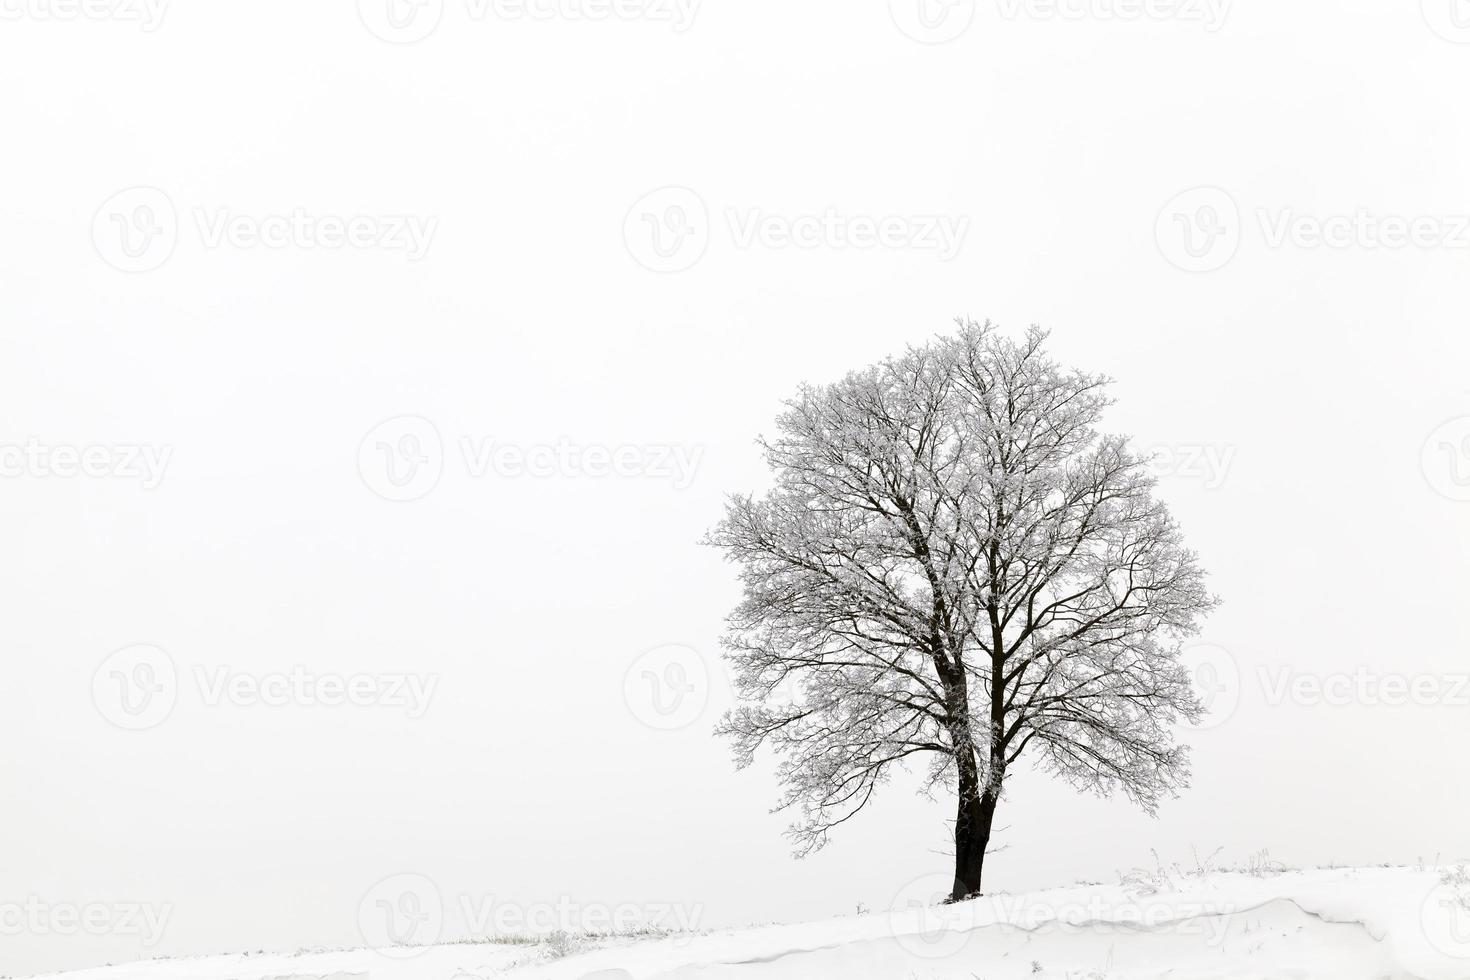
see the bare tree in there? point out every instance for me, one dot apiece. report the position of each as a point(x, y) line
point(955, 564)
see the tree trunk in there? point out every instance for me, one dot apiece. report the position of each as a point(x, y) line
point(972, 828)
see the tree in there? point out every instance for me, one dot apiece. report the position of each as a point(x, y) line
point(954, 564)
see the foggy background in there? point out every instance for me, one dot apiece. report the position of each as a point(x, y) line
point(637, 234)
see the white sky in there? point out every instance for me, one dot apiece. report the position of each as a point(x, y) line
point(1317, 373)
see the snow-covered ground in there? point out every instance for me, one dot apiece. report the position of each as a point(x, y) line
point(1344, 924)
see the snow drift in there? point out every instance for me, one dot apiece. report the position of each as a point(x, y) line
point(1344, 924)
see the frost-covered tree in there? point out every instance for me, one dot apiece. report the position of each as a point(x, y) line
point(954, 564)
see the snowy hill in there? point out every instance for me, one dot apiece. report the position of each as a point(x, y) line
point(1345, 924)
